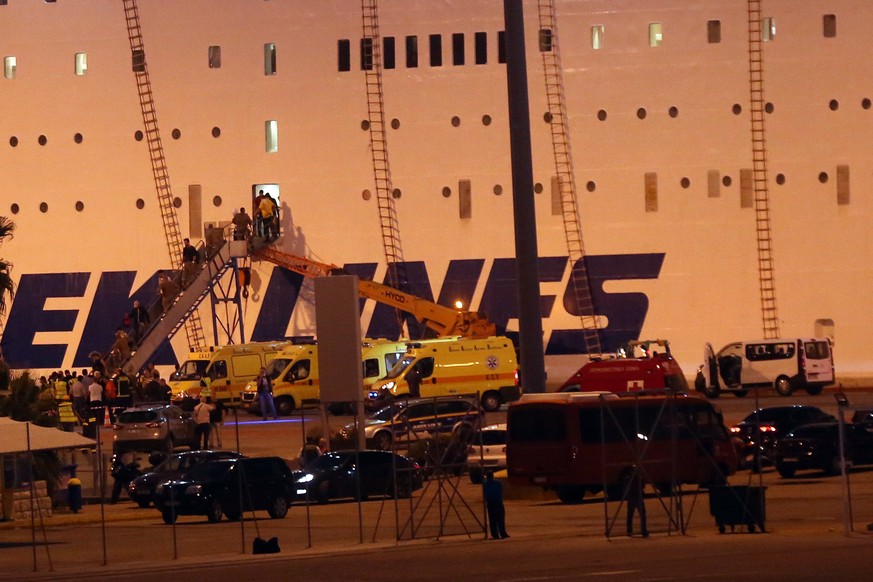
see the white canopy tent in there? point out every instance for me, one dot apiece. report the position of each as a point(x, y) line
point(13, 438)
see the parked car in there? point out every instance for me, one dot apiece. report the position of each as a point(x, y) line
point(487, 451)
point(864, 417)
point(816, 446)
point(215, 488)
point(419, 419)
point(142, 488)
point(762, 429)
point(335, 475)
point(153, 427)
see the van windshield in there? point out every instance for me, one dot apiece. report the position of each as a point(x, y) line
point(191, 370)
point(400, 367)
point(276, 367)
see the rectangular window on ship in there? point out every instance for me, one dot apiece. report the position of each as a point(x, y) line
point(829, 24)
point(481, 42)
point(458, 49)
point(411, 52)
point(81, 64)
point(501, 47)
point(436, 50)
point(344, 54)
point(10, 64)
point(272, 136)
point(270, 58)
point(768, 28)
point(713, 31)
point(389, 60)
point(214, 56)
point(656, 34)
point(597, 37)
point(367, 54)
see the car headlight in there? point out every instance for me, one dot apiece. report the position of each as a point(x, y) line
point(131, 487)
point(193, 490)
point(306, 478)
point(389, 385)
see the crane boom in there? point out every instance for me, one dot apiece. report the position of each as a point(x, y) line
point(439, 318)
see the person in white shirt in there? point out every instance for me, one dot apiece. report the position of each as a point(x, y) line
point(201, 418)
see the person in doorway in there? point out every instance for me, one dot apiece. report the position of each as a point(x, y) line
point(492, 491)
point(190, 260)
point(267, 209)
point(265, 395)
point(636, 502)
point(203, 426)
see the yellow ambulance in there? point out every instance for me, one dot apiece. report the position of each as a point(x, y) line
point(224, 369)
point(295, 374)
point(487, 367)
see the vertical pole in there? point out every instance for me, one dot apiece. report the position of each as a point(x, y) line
point(32, 495)
point(533, 372)
point(848, 526)
point(102, 468)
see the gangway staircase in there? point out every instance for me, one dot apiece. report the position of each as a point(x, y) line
point(766, 272)
point(560, 133)
point(193, 326)
point(371, 60)
point(183, 308)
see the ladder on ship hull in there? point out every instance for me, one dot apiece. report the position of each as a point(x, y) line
point(371, 61)
point(186, 303)
point(166, 200)
point(565, 173)
point(766, 271)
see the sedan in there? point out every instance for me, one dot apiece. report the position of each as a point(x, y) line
point(762, 429)
point(816, 446)
point(142, 488)
point(335, 475)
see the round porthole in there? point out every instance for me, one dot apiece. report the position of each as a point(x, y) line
point(447, 192)
point(43, 207)
point(396, 193)
point(42, 140)
point(673, 112)
point(395, 124)
point(366, 194)
point(780, 179)
point(216, 131)
point(590, 186)
point(456, 121)
point(641, 113)
point(138, 135)
point(365, 125)
point(823, 177)
point(486, 120)
point(80, 206)
point(13, 141)
point(737, 109)
point(216, 201)
point(15, 209)
point(685, 182)
point(726, 181)
point(538, 188)
point(498, 189)
point(176, 134)
point(601, 115)
point(78, 138)
point(140, 203)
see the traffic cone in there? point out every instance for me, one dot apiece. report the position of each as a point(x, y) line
point(106, 423)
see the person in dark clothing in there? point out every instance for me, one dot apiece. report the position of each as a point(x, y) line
point(123, 473)
point(140, 321)
point(492, 491)
point(413, 380)
point(190, 259)
point(636, 502)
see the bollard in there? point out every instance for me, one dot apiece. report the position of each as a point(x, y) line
point(74, 495)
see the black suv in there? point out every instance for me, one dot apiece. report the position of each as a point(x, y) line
point(335, 474)
point(817, 446)
point(762, 429)
point(142, 488)
point(228, 487)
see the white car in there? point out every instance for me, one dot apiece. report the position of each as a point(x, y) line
point(487, 451)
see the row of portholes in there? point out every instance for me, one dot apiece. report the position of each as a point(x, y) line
point(591, 186)
point(80, 206)
point(176, 133)
point(79, 138)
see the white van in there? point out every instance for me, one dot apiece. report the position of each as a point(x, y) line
point(785, 364)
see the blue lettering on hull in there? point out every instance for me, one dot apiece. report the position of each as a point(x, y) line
point(626, 312)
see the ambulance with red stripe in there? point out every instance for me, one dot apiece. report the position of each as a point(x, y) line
point(449, 366)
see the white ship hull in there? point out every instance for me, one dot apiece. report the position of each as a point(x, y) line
point(686, 272)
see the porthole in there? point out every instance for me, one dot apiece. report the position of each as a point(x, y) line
point(486, 120)
point(365, 125)
point(447, 192)
point(396, 193)
point(538, 188)
point(737, 109)
point(641, 113)
point(216, 200)
point(726, 181)
point(14, 209)
point(673, 112)
point(140, 203)
point(138, 135)
point(834, 104)
point(547, 117)
point(80, 206)
point(176, 134)
point(685, 183)
point(601, 115)
point(366, 194)
point(780, 179)
point(43, 207)
point(769, 108)
point(78, 138)
point(216, 132)
point(177, 202)
point(590, 186)
point(395, 123)
point(498, 189)
point(456, 121)
point(42, 140)
point(823, 177)
point(13, 141)
point(865, 103)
